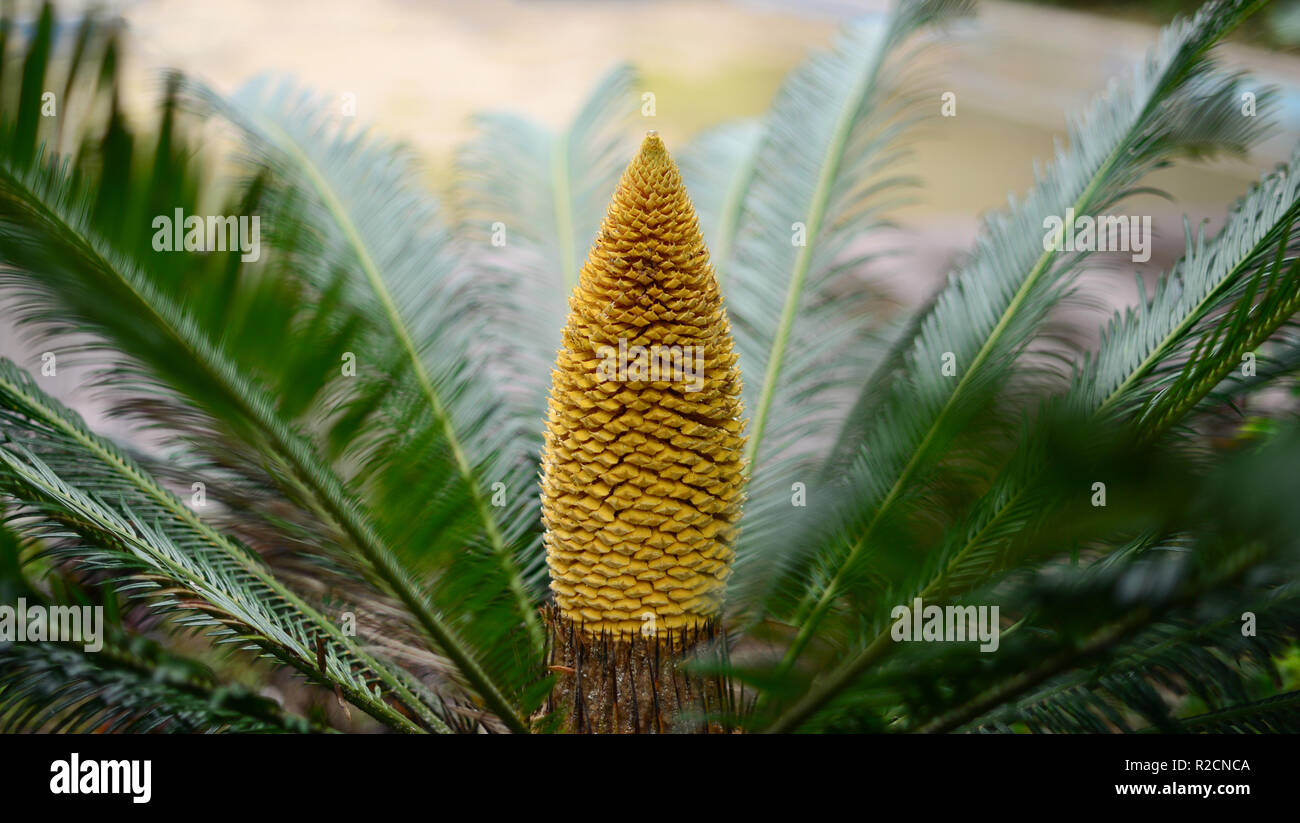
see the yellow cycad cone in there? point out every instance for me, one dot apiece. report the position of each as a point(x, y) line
point(642, 468)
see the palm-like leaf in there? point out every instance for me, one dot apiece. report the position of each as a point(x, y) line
point(1099, 641)
point(1209, 658)
point(1212, 279)
point(190, 565)
point(119, 690)
point(819, 173)
point(990, 310)
point(185, 341)
point(441, 430)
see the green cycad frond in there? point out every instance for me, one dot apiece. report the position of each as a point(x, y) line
point(206, 339)
point(1149, 606)
point(117, 680)
point(1175, 609)
point(1276, 361)
point(1175, 102)
point(1155, 338)
point(128, 684)
point(69, 277)
point(441, 435)
point(1211, 658)
point(47, 687)
point(47, 446)
point(1271, 298)
point(117, 537)
point(820, 174)
point(1130, 657)
point(547, 192)
point(550, 189)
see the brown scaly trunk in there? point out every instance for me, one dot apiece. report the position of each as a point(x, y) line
point(628, 683)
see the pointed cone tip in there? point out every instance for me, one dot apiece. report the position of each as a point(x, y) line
point(652, 147)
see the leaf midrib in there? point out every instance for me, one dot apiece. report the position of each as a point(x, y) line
point(561, 188)
point(732, 205)
point(380, 288)
point(831, 160)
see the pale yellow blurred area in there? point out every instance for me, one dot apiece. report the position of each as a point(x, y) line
point(419, 70)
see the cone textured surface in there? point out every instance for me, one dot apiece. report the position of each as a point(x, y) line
point(642, 479)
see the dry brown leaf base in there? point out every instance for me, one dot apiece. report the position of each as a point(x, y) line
point(627, 683)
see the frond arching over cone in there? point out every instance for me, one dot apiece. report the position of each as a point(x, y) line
point(642, 478)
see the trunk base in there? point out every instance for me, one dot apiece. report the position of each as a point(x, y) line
point(629, 683)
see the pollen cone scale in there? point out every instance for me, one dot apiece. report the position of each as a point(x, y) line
point(642, 479)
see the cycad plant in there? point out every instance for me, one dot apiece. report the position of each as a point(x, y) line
point(339, 416)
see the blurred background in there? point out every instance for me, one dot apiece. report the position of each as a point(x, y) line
point(420, 68)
